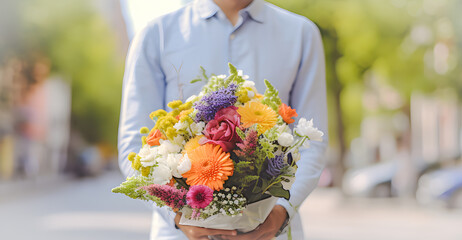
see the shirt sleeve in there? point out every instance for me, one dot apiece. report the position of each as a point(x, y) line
point(308, 97)
point(143, 91)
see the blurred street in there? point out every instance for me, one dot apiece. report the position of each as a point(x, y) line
point(69, 209)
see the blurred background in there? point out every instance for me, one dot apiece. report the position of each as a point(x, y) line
point(394, 77)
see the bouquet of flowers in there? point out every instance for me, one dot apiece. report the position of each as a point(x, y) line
point(223, 157)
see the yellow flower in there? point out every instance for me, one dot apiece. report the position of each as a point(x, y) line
point(131, 156)
point(193, 143)
point(185, 106)
point(174, 104)
point(145, 171)
point(158, 113)
point(257, 113)
point(243, 96)
point(136, 164)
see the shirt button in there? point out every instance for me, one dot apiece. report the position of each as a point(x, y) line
point(232, 36)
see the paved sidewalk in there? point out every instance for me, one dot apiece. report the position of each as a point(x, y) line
point(86, 209)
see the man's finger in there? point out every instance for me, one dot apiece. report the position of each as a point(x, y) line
point(220, 232)
point(253, 235)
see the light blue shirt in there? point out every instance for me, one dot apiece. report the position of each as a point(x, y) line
point(266, 43)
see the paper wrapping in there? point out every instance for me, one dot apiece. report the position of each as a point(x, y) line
point(252, 216)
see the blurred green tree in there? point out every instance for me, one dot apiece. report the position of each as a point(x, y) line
point(81, 48)
point(391, 41)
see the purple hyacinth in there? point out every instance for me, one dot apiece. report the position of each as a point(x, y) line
point(209, 105)
point(275, 165)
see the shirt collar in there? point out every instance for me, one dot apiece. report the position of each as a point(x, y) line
point(207, 9)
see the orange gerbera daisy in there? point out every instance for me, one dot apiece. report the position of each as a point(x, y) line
point(257, 113)
point(210, 166)
point(287, 113)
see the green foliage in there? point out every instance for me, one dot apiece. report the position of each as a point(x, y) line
point(217, 82)
point(370, 42)
point(277, 191)
point(131, 188)
point(81, 49)
point(271, 97)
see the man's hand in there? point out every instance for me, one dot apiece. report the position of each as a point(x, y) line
point(267, 230)
point(199, 233)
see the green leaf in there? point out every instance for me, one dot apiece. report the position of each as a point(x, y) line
point(195, 80)
point(232, 69)
point(240, 133)
point(277, 191)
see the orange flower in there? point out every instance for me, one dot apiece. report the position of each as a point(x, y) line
point(287, 113)
point(257, 113)
point(154, 136)
point(210, 166)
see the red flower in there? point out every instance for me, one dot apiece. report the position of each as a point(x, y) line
point(222, 129)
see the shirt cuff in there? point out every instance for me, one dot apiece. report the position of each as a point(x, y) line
point(288, 206)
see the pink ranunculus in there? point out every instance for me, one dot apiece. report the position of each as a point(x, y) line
point(199, 196)
point(222, 129)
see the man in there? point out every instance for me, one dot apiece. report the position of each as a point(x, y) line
point(266, 42)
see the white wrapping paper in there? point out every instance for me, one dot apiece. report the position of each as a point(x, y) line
point(253, 215)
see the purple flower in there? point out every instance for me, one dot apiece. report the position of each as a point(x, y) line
point(199, 196)
point(275, 165)
point(209, 105)
point(171, 196)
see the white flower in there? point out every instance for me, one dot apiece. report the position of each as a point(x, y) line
point(184, 165)
point(222, 76)
point(167, 147)
point(172, 162)
point(179, 140)
point(197, 128)
point(248, 84)
point(305, 128)
point(241, 74)
point(148, 155)
point(161, 174)
point(181, 125)
point(285, 139)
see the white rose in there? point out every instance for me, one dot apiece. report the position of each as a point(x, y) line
point(185, 165)
point(305, 128)
point(161, 174)
point(285, 139)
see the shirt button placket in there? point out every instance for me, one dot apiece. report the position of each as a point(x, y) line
point(231, 47)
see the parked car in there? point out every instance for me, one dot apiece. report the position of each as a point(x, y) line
point(370, 181)
point(442, 186)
